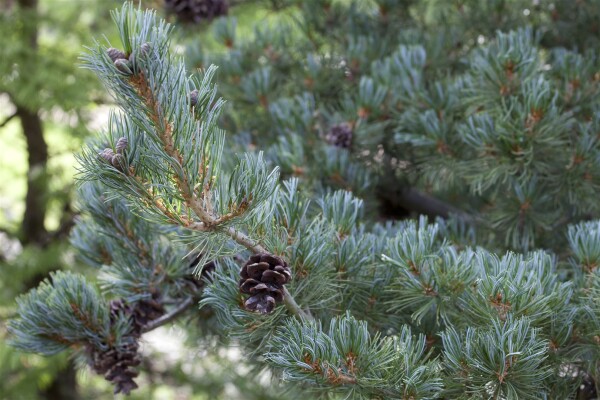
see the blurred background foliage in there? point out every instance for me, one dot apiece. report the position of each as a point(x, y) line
point(48, 106)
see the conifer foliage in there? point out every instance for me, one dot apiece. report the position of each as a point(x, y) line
point(293, 269)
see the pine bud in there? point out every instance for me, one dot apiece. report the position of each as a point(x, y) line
point(194, 97)
point(121, 145)
point(145, 49)
point(115, 54)
point(107, 155)
point(124, 66)
point(132, 60)
point(118, 161)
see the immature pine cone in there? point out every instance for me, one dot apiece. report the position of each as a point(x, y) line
point(340, 135)
point(263, 277)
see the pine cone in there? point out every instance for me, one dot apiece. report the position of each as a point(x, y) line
point(144, 312)
point(263, 277)
point(196, 11)
point(118, 365)
point(115, 54)
point(340, 135)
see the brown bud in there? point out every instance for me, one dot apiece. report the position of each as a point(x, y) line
point(124, 66)
point(194, 97)
point(115, 54)
point(145, 49)
point(121, 145)
point(107, 155)
point(118, 161)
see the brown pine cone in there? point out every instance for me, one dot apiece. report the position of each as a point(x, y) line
point(340, 135)
point(144, 312)
point(118, 365)
point(263, 277)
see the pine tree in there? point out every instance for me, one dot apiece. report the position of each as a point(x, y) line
point(298, 269)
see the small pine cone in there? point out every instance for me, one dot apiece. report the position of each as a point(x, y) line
point(124, 66)
point(107, 155)
point(340, 135)
point(263, 277)
point(121, 145)
point(194, 97)
point(116, 54)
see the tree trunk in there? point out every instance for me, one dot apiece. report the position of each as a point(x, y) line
point(33, 229)
point(64, 384)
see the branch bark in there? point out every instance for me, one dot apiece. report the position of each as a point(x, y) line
point(400, 203)
point(423, 203)
point(171, 316)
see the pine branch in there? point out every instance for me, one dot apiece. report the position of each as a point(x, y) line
point(171, 316)
point(207, 221)
point(293, 307)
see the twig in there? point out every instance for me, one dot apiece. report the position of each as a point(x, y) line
point(293, 307)
point(7, 120)
point(173, 314)
point(420, 202)
point(244, 240)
